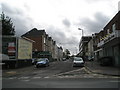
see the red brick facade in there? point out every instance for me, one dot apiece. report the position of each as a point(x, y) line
point(37, 45)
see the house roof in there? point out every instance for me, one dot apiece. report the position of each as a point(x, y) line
point(34, 32)
point(86, 38)
point(113, 20)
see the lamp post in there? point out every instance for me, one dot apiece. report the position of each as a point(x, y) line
point(82, 31)
point(76, 50)
point(81, 38)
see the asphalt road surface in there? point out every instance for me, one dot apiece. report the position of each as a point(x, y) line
point(59, 74)
point(61, 83)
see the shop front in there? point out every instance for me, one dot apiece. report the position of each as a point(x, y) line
point(112, 48)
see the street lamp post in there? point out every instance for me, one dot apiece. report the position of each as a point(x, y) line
point(82, 31)
point(76, 50)
point(81, 38)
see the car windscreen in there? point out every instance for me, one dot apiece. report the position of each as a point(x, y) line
point(40, 60)
point(78, 59)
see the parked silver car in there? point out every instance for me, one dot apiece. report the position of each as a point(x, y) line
point(78, 61)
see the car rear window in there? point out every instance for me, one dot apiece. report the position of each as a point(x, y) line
point(78, 59)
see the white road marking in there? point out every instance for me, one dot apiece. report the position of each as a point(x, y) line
point(25, 80)
point(23, 77)
point(36, 77)
point(69, 72)
point(12, 78)
point(47, 77)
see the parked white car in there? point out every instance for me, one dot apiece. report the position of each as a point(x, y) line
point(78, 61)
point(2, 58)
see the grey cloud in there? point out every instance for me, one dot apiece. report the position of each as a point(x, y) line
point(72, 44)
point(20, 26)
point(96, 25)
point(6, 8)
point(10, 10)
point(72, 40)
point(66, 22)
point(91, 1)
point(61, 38)
point(94, 1)
point(21, 21)
point(26, 6)
point(56, 33)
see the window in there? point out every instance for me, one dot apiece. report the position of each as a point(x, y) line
point(108, 31)
point(44, 40)
point(113, 27)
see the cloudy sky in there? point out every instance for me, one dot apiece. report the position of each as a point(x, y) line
point(60, 18)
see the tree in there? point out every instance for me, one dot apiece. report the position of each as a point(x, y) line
point(7, 25)
point(67, 52)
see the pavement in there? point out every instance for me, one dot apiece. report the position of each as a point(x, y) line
point(94, 67)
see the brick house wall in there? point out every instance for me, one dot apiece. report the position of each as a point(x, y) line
point(37, 45)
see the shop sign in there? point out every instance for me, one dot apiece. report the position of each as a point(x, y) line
point(106, 39)
point(109, 37)
point(11, 47)
point(11, 50)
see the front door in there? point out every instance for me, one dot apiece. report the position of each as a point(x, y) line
point(116, 55)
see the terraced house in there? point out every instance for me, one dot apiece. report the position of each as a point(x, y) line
point(109, 40)
point(105, 43)
point(44, 46)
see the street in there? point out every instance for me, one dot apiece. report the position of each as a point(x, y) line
point(64, 44)
point(59, 74)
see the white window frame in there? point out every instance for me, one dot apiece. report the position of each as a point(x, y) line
point(114, 27)
point(108, 31)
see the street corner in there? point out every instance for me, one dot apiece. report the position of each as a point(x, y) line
point(88, 70)
point(99, 73)
point(73, 74)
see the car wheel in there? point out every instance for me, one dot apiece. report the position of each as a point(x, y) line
point(47, 65)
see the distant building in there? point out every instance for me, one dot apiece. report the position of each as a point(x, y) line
point(83, 46)
point(46, 46)
point(38, 36)
point(60, 53)
point(56, 52)
point(91, 48)
point(0, 36)
point(98, 53)
point(53, 49)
